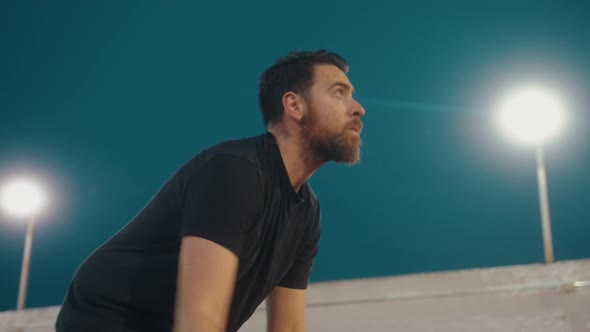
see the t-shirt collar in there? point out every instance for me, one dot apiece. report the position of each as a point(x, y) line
point(278, 163)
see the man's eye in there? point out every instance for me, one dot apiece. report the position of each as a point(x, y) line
point(340, 92)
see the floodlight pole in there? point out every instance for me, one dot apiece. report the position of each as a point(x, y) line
point(544, 205)
point(24, 274)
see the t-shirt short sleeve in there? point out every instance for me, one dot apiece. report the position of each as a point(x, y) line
point(298, 275)
point(221, 201)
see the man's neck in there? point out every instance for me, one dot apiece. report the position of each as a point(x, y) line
point(299, 162)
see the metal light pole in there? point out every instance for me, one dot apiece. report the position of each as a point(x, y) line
point(23, 199)
point(24, 273)
point(532, 116)
point(544, 205)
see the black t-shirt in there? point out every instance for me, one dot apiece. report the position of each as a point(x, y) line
point(237, 194)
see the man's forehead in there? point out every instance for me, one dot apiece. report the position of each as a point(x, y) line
point(327, 74)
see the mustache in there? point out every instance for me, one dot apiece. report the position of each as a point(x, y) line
point(356, 124)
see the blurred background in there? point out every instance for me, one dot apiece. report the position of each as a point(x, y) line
point(103, 101)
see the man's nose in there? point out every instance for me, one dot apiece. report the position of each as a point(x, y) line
point(358, 109)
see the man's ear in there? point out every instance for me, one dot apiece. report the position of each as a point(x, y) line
point(294, 106)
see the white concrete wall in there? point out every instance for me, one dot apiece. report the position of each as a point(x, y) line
point(551, 298)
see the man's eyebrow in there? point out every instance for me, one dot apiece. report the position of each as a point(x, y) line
point(342, 84)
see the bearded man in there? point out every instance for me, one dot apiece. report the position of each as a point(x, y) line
point(235, 225)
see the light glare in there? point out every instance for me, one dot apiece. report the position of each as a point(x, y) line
point(21, 198)
point(531, 116)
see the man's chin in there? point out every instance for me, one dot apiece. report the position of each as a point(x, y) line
point(350, 155)
point(345, 149)
point(350, 161)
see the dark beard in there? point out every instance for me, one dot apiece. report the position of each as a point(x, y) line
point(341, 148)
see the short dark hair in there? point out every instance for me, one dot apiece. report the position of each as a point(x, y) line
point(293, 72)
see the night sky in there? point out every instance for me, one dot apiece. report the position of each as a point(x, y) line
point(104, 100)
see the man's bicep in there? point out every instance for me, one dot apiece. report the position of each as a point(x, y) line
point(205, 285)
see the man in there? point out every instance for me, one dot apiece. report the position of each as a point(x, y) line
point(235, 225)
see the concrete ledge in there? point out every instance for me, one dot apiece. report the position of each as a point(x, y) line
point(30, 320)
point(453, 283)
point(538, 297)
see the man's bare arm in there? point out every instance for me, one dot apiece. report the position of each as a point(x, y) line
point(285, 309)
point(206, 280)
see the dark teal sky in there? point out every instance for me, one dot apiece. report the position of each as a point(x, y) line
point(104, 101)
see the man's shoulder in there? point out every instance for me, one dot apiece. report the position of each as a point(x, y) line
point(247, 148)
point(234, 152)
